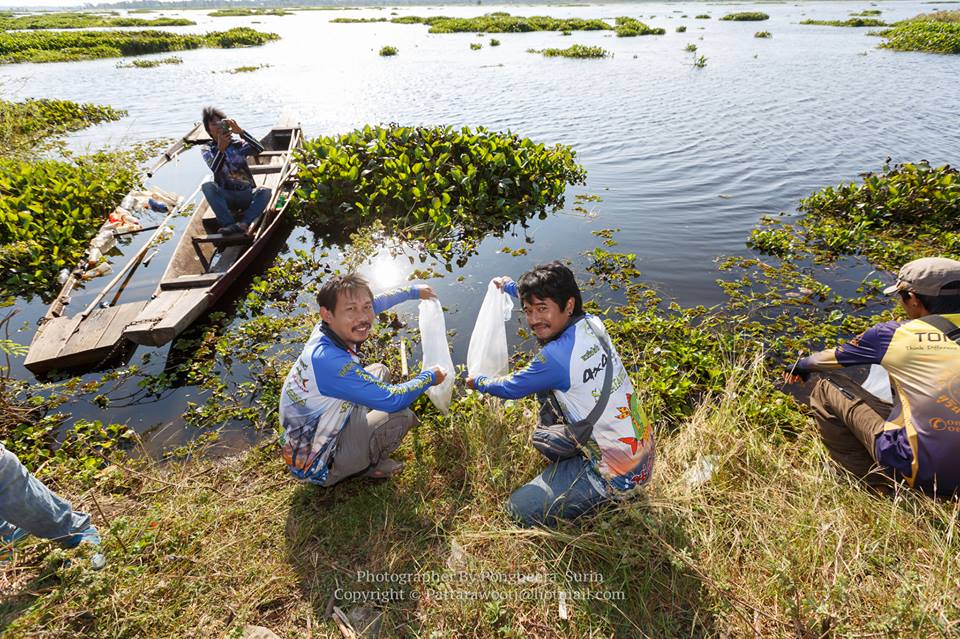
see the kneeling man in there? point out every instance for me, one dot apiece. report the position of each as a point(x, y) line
point(341, 419)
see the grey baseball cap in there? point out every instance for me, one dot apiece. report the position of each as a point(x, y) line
point(927, 276)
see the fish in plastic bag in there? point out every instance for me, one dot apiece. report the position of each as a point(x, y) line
point(487, 354)
point(436, 352)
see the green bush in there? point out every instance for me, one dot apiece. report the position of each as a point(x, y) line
point(748, 16)
point(450, 186)
point(60, 46)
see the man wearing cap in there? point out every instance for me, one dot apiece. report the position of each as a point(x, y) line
point(917, 437)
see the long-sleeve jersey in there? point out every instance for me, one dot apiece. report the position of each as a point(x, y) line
point(921, 437)
point(230, 170)
point(572, 367)
point(326, 384)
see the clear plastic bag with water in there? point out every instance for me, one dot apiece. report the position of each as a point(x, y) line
point(487, 353)
point(436, 351)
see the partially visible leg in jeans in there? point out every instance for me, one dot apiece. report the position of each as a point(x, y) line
point(562, 491)
point(217, 199)
point(258, 204)
point(849, 427)
point(27, 503)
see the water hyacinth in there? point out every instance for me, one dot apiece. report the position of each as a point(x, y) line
point(923, 35)
point(70, 20)
point(746, 16)
point(450, 186)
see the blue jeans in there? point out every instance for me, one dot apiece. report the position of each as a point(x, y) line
point(224, 202)
point(562, 491)
point(28, 504)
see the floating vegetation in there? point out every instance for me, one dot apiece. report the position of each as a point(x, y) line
point(357, 20)
point(69, 20)
point(501, 22)
point(148, 64)
point(690, 48)
point(475, 46)
point(904, 212)
point(388, 50)
point(62, 46)
point(565, 32)
point(573, 51)
point(241, 12)
point(867, 13)
point(494, 42)
point(247, 69)
point(628, 28)
point(442, 187)
point(25, 125)
point(702, 16)
point(852, 22)
point(922, 35)
point(746, 16)
point(762, 34)
point(681, 29)
point(700, 62)
point(937, 16)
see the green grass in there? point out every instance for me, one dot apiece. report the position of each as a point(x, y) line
point(574, 51)
point(852, 22)
point(748, 16)
point(62, 46)
point(83, 21)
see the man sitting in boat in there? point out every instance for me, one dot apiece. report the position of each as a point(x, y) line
point(592, 428)
point(916, 437)
point(233, 187)
point(341, 419)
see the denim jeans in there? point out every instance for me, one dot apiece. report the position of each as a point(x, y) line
point(562, 491)
point(27, 503)
point(223, 203)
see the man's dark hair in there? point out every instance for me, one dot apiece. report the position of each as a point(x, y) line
point(331, 289)
point(938, 304)
point(552, 281)
point(211, 113)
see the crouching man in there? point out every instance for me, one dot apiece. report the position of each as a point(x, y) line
point(592, 429)
point(341, 419)
point(917, 437)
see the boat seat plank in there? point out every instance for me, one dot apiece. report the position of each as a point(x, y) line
point(190, 281)
point(219, 239)
point(266, 168)
point(50, 339)
point(125, 313)
point(91, 330)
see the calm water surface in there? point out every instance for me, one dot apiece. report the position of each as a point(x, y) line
point(685, 159)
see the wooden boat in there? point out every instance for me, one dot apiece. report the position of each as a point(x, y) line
point(202, 268)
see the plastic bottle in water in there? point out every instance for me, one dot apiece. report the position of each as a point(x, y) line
point(63, 275)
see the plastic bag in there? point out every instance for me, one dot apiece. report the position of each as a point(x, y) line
point(436, 352)
point(487, 354)
point(878, 383)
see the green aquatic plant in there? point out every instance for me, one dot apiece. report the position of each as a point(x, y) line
point(867, 13)
point(69, 20)
point(62, 46)
point(690, 48)
point(26, 125)
point(148, 64)
point(566, 32)
point(247, 68)
point(494, 42)
point(240, 12)
point(937, 16)
point(700, 61)
point(356, 20)
point(573, 51)
point(443, 187)
point(702, 16)
point(748, 16)
point(388, 50)
point(762, 34)
point(475, 46)
point(922, 35)
point(681, 29)
point(852, 22)
point(629, 27)
point(500, 22)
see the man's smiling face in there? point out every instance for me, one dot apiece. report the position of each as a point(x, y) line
point(352, 318)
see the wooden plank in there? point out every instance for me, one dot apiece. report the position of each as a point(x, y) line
point(191, 305)
point(141, 328)
point(125, 314)
point(48, 341)
point(89, 331)
point(191, 281)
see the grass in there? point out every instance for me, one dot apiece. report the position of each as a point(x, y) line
point(852, 22)
point(388, 51)
point(148, 64)
point(574, 51)
point(747, 16)
point(71, 20)
point(63, 46)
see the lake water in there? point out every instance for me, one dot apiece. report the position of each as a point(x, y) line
point(686, 159)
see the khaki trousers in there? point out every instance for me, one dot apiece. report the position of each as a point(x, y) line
point(369, 436)
point(850, 419)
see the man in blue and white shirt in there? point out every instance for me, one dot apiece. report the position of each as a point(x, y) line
point(233, 187)
point(601, 447)
point(341, 419)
